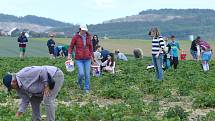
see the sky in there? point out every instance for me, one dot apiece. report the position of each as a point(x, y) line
point(93, 11)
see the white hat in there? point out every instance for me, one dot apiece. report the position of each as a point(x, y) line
point(83, 27)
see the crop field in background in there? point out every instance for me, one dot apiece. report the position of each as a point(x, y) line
point(37, 46)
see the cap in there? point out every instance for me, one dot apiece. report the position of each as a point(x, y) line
point(7, 81)
point(51, 35)
point(83, 27)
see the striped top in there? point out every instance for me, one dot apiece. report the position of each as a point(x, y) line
point(204, 45)
point(157, 43)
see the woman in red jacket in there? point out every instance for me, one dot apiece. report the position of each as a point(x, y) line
point(83, 55)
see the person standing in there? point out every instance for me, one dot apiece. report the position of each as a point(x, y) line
point(83, 55)
point(22, 44)
point(97, 55)
point(175, 48)
point(34, 84)
point(95, 42)
point(51, 46)
point(194, 50)
point(157, 52)
point(206, 52)
point(167, 49)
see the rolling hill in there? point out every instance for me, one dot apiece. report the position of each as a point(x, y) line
point(29, 22)
point(178, 22)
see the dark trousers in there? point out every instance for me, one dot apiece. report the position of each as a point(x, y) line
point(174, 62)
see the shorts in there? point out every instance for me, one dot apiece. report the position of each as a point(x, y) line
point(206, 56)
point(22, 49)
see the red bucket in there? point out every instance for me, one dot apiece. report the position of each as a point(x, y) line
point(183, 56)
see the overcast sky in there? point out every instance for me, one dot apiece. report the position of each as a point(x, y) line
point(93, 11)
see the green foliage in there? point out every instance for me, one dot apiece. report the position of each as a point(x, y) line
point(209, 117)
point(176, 112)
point(204, 100)
point(120, 96)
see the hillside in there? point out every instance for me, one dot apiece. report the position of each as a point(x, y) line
point(31, 19)
point(180, 22)
point(165, 15)
point(30, 23)
point(7, 26)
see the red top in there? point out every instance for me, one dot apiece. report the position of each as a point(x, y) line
point(81, 52)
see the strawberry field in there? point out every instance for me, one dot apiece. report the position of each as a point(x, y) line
point(131, 94)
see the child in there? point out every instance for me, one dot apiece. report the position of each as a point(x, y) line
point(175, 51)
point(109, 64)
point(167, 49)
point(97, 55)
point(51, 46)
point(206, 53)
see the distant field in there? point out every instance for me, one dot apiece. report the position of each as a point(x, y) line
point(37, 46)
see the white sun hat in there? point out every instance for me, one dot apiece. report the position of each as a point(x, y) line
point(83, 27)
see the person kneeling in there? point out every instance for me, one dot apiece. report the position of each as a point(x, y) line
point(109, 64)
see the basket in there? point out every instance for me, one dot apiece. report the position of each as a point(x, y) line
point(96, 71)
point(183, 55)
point(69, 65)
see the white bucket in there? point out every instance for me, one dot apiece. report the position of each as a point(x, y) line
point(69, 65)
point(191, 37)
point(96, 70)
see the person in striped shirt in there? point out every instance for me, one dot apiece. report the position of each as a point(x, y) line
point(157, 52)
point(206, 52)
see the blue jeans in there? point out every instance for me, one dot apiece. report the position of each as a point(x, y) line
point(158, 66)
point(84, 71)
point(167, 64)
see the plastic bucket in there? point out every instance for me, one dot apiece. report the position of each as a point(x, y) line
point(183, 56)
point(69, 65)
point(96, 70)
